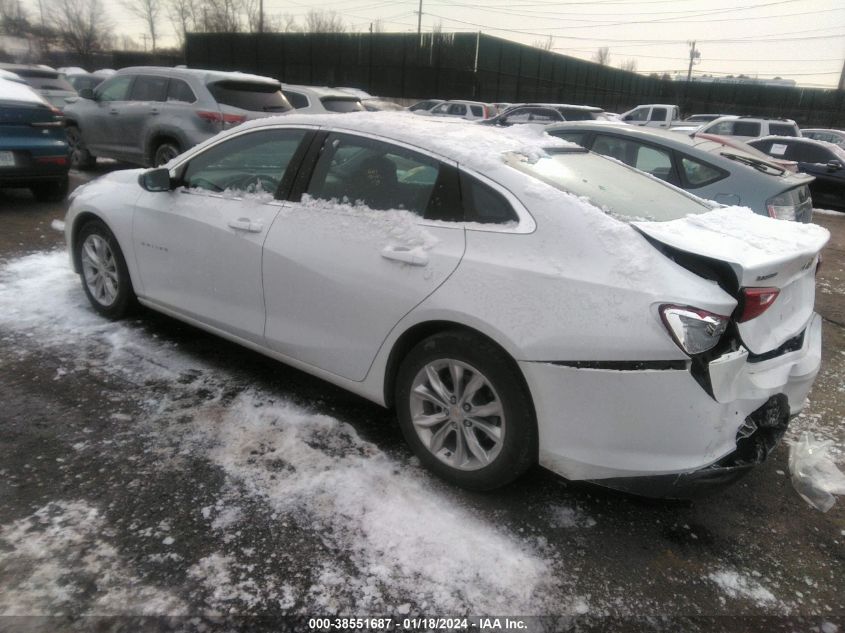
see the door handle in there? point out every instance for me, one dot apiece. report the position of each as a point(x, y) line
point(245, 224)
point(113, 111)
point(413, 256)
point(154, 110)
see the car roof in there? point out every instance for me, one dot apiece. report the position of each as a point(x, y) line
point(734, 117)
point(822, 129)
point(206, 76)
point(476, 146)
point(558, 105)
point(791, 139)
point(14, 91)
point(30, 70)
point(633, 131)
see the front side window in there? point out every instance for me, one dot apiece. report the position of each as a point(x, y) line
point(725, 128)
point(577, 115)
point(458, 109)
point(114, 89)
point(149, 88)
point(807, 153)
point(250, 163)
point(380, 176)
point(640, 114)
point(658, 114)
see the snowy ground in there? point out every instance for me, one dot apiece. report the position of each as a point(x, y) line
point(152, 469)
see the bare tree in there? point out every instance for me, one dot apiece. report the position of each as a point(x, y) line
point(377, 26)
point(13, 18)
point(629, 64)
point(323, 22)
point(602, 56)
point(285, 23)
point(220, 16)
point(148, 11)
point(184, 15)
point(82, 26)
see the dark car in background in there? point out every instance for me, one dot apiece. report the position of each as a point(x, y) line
point(545, 113)
point(823, 160)
point(33, 148)
point(148, 115)
point(49, 83)
point(703, 166)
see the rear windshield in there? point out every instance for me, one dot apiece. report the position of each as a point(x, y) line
point(615, 188)
point(782, 129)
point(342, 104)
point(41, 80)
point(246, 95)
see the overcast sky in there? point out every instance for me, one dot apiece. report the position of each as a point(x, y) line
point(797, 39)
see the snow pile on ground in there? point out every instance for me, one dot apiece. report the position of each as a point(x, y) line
point(737, 585)
point(398, 535)
point(56, 561)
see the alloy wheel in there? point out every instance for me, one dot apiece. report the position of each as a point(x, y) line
point(457, 414)
point(99, 269)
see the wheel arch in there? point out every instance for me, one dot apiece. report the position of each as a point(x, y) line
point(423, 330)
point(159, 136)
point(78, 222)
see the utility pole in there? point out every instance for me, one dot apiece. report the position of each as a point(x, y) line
point(694, 56)
point(419, 24)
point(260, 16)
point(842, 78)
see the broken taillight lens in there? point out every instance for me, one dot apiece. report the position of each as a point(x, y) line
point(755, 301)
point(694, 330)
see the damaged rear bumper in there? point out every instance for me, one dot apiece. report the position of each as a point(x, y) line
point(658, 431)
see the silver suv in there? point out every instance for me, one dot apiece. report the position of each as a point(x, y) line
point(148, 115)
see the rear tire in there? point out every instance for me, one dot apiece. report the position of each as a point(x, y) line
point(465, 412)
point(53, 191)
point(80, 157)
point(105, 277)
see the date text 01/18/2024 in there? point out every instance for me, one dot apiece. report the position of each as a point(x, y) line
point(415, 624)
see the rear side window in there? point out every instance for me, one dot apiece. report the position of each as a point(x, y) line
point(782, 129)
point(458, 109)
point(746, 128)
point(339, 104)
point(699, 174)
point(148, 88)
point(577, 115)
point(476, 110)
point(179, 90)
point(253, 96)
point(484, 204)
point(378, 175)
point(297, 99)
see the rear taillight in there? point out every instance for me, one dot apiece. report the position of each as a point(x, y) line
point(782, 207)
point(59, 123)
point(51, 160)
point(225, 120)
point(755, 301)
point(693, 330)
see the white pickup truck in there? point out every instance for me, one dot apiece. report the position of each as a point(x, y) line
point(653, 115)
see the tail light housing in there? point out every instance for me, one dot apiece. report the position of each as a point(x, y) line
point(755, 301)
point(224, 120)
point(693, 330)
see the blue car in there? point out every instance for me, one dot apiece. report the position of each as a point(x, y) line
point(33, 145)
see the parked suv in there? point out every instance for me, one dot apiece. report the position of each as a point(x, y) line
point(544, 113)
point(746, 127)
point(148, 115)
point(321, 100)
point(47, 82)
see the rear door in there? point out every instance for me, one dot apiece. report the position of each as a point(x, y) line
point(198, 248)
point(829, 186)
point(346, 261)
point(140, 111)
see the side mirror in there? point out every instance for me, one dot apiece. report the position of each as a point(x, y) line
point(834, 165)
point(87, 93)
point(155, 180)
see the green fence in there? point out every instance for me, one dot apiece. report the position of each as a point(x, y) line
point(485, 68)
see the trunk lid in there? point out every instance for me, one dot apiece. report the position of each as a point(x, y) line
point(760, 253)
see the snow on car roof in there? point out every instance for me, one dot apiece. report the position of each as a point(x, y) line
point(14, 91)
point(473, 145)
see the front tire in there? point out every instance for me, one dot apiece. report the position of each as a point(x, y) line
point(165, 152)
point(465, 412)
point(105, 277)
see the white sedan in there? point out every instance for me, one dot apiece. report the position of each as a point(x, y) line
point(516, 298)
